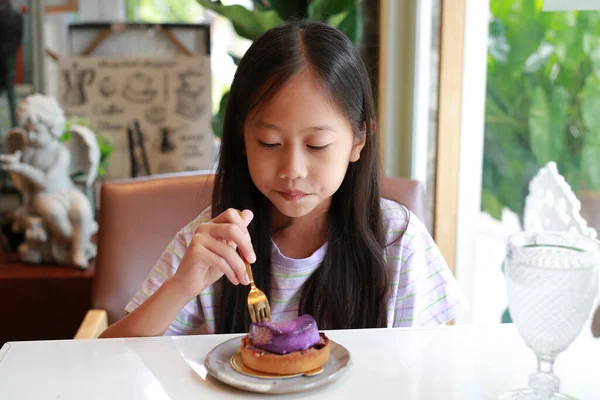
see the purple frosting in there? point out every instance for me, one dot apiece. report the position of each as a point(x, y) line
point(285, 337)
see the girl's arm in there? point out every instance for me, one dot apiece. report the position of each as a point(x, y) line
point(188, 270)
point(153, 317)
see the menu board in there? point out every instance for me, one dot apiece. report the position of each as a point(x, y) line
point(167, 98)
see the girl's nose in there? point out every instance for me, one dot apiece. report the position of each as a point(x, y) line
point(292, 165)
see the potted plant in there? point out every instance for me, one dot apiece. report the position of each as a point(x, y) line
point(543, 97)
point(542, 104)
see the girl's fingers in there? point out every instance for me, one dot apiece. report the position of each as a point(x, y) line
point(232, 233)
point(214, 260)
point(231, 257)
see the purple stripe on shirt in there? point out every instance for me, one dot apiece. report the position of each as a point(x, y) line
point(448, 308)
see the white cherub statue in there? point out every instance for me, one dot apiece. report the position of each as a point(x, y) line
point(56, 216)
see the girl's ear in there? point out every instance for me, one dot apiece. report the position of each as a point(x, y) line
point(357, 148)
point(359, 144)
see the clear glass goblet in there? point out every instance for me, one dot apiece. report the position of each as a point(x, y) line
point(551, 280)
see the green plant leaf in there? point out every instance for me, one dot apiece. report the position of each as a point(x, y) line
point(164, 11)
point(590, 161)
point(547, 124)
point(539, 58)
point(590, 152)
point(491, 205)
point(248, 24)
point(590, 104)
point(322, 10)
point(559, 105)
point(524, 38)
point(336, 20)
point(594, 55)
point(569, 31)
point(351, 25)
point(219, 117)
point(106, 145)
point(501, 9)
point(540, 123)
point(105, 142)
point(498, 46)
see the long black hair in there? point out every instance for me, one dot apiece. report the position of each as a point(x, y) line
point(349, 289)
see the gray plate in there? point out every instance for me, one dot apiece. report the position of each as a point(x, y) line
point(218, 365)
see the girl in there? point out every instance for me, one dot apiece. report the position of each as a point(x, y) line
point(300, 157)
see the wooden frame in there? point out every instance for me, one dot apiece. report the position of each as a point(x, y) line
point(94, 323)
point(117, 28)
point(66, 6)
point(449, 125)
point(395, 85)
point(381, 79)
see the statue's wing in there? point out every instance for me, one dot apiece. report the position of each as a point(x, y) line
point(14, 140)
point(85, 152)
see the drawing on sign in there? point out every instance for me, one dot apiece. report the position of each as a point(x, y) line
point(75, 80)
point(189, 99)
point(156, 114)
point(167, 145)
point(138, 88)
point(138, 156)
point(166, 140)
point(107, 87)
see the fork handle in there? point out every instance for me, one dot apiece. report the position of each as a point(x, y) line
point(248, 269)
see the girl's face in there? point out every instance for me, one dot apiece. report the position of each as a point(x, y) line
point(299, 147)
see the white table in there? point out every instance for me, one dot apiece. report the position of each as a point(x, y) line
point(454, 362)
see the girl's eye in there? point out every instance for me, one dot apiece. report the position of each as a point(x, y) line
point(317, 148)
point(268, 145)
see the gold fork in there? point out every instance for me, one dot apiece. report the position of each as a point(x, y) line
point(258, 304)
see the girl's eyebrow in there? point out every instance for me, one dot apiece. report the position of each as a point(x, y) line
point(263, 124)
point(318, 128)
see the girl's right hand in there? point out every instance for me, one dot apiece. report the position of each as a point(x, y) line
point(212, 253)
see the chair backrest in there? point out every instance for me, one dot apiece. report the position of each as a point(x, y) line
point(140, 216)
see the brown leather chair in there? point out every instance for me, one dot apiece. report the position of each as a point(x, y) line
point(140, 216)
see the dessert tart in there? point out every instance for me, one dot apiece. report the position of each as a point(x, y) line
point(284, 348)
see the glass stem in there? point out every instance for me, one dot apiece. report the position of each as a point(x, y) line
point(545, 365)
point(543, 382)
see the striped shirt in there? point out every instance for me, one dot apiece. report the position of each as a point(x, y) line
point(423, 291)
